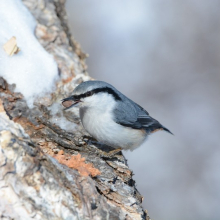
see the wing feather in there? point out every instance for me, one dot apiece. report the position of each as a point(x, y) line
point(130, 114)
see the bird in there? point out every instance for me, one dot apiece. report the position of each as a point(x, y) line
point(110, 117)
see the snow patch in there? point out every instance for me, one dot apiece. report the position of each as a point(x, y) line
point(33, 70)
point(59, 119)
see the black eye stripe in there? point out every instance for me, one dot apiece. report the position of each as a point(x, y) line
point(98, 90)
point(76, 97)
point(109, 91)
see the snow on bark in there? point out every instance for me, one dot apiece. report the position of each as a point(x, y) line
point(33, 70)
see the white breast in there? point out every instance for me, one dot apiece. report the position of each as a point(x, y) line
point(98, 122)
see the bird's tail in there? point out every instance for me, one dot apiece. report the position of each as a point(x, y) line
point(156, 126)
point(165, 129)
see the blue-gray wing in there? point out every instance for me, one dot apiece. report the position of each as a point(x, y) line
point(130, 114)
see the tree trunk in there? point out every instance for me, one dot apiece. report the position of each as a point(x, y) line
point(47, 172)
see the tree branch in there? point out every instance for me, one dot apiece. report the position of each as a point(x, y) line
point(33, 184)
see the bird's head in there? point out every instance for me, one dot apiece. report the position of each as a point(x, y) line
point(92, 93)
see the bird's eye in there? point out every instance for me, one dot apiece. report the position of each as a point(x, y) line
point(76, 97)
point(88, 94)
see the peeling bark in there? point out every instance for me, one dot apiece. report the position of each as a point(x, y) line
point(34, 185)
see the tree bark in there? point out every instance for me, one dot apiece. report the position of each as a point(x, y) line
point(33, 184)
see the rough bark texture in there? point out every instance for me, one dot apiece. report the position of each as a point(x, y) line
point(34, 185)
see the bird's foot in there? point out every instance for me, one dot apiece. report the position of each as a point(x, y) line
point(90, 140)
point(109, 154)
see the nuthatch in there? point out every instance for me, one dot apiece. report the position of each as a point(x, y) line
point(110, 117)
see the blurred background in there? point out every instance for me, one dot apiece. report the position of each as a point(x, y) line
point(164, 55)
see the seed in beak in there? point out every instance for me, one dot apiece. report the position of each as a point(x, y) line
point(68, 103)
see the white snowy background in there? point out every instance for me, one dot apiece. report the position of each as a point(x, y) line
point(165, 55)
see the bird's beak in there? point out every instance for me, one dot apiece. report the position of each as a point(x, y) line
point(69, 102)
